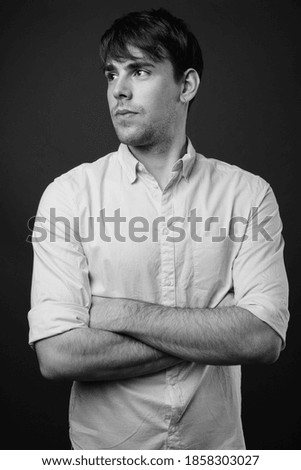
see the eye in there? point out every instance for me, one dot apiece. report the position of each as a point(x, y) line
point(110, 76)
point(141, 73)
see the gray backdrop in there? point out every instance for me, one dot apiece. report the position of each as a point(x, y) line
point(54, 116)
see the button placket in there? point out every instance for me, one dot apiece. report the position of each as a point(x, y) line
point(173, 440)
point(167, 252)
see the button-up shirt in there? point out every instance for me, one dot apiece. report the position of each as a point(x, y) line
point(107, 229)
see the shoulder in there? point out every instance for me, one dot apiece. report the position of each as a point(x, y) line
point(230, 177)
point(76, 178)
point(69, 186)
point(86, 170)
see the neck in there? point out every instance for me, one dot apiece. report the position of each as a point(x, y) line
point(159, 158)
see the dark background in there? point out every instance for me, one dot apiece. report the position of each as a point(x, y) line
point(54, 116)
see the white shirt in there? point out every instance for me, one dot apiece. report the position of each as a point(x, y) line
point(176, 262)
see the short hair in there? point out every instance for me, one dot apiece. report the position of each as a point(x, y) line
point(159, 34)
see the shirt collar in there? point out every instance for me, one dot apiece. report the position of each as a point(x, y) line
point(130, 164)
point(188, 160)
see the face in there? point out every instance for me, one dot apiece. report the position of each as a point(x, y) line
point(143, 98)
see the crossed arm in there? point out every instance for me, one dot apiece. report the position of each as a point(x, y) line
point(128, 338)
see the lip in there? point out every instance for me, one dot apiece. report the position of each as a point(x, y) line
point(124, 112)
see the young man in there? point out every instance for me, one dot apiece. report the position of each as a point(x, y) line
point(157, 271)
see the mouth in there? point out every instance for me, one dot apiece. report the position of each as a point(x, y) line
point(124, 112)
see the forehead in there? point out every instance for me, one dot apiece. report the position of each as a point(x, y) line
point(132, 54)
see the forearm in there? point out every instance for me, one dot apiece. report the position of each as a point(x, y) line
point(224, 335)
point(89, 354)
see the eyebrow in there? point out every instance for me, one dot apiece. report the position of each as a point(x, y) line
point(109, 67)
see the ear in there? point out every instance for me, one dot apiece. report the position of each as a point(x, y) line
point(191, 82)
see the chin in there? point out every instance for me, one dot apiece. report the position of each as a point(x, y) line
point(134, 137)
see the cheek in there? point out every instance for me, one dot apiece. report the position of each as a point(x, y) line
point(160, 104)
point(164, 111)
point(109, 99)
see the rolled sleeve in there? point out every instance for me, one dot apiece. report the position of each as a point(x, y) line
point(259, 275)
point(60, 294)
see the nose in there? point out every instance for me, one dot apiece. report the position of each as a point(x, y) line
point(122, 88)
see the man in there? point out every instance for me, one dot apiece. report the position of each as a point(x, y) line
point(157, 271)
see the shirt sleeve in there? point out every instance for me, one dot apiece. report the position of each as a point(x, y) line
point(60, 294)
point(259, 275)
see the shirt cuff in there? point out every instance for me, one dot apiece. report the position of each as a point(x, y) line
point(276, 317)
point(52, 318)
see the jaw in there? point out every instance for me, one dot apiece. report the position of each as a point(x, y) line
point(139, 131)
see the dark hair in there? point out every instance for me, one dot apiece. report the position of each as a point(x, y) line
point(159, 35)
